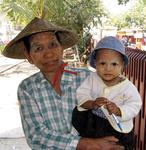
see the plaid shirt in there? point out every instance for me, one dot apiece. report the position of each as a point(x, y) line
point(46, 116)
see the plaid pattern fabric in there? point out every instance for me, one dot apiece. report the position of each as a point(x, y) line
point(46, 116)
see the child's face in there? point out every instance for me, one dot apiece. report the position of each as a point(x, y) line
point(109, 65)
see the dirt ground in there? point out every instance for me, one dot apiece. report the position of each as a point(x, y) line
point(11, 133)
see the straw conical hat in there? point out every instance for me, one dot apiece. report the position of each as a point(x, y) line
point(15, 48)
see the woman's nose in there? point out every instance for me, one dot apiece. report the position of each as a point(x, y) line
point(48, 53)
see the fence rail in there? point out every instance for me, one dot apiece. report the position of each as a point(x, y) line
point(136, 72)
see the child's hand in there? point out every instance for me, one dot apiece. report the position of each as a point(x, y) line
point(100, 101)
point(113, 108)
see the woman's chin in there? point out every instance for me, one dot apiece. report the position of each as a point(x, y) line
point(51, 70)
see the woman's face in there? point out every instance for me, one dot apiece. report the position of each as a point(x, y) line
point(45, 52)
point(109, 65)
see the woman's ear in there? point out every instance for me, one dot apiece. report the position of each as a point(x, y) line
point(27, 55)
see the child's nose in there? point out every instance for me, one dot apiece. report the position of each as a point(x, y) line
point(108, 67)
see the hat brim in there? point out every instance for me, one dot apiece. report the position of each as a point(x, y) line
point(92, 59)
point(15, 48)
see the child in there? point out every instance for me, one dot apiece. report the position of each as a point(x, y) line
point(107, 89)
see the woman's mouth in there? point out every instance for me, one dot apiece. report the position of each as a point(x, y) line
point(50, 63)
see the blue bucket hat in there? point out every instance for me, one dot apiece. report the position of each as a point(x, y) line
point(109, 42)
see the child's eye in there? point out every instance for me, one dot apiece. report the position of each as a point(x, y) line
point(114, 64)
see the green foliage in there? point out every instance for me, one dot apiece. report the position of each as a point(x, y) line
point(1, 48)
point(122, 1)
point(143, 1)
point(16, 9)
point(134, 17)
point(72, 14)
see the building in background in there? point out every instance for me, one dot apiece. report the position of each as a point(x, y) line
point(7, 30)
point(136, 38)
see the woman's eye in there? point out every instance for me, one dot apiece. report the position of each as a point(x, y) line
point(37, 49)
point(53, 45)
point(102, 63)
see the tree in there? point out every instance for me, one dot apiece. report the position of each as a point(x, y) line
point(73, 14)
point(121, 2)
point(134, 17)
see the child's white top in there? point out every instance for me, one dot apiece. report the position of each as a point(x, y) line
point(124, 95)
